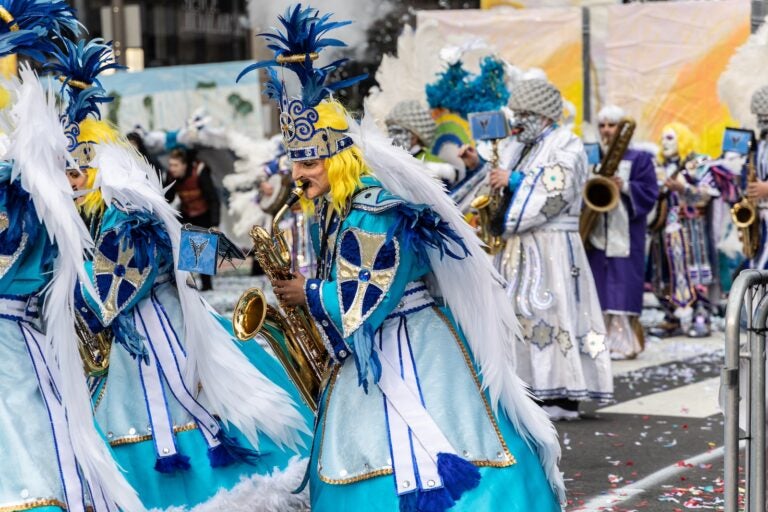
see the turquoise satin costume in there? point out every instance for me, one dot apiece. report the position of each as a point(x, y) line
point(132, 271)
point(30, 476)
point(404, 423)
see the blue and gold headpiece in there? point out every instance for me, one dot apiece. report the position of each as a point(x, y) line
point(29, 27)
point(296, 49)
point(78, 65)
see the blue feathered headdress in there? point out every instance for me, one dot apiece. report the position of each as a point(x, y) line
point(295, 48)
point(78, 65)
point(28, 26)
point(461, 92)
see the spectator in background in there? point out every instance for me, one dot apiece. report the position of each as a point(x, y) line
point(137, 141)
point(200, 204)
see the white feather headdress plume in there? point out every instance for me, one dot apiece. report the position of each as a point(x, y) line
point(746, 72)
point(473, 291)
point(39, 151)
point(233, 387)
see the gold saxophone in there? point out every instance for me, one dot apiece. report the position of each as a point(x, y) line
point(94, 348)
point(601, 194)
point(744, 215)
point(291, 335)
point(488, 207)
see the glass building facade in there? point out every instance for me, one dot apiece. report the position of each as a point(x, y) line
point(171, 32)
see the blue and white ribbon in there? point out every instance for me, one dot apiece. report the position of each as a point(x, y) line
point(415, 438)
point(167, 362)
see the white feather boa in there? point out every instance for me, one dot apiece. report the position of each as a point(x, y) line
point(233, 387)
point(39, 151)
point(473, 291)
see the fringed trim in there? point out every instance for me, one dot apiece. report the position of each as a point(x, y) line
point(128, 336)
point(172, 463)
point(365, 357)
point(230, 451)
point(458, 475)
point(419, 228)
point(265, 493)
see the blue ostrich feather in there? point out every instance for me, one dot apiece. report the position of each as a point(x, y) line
point(304, 32)
point(38, 22)
point(83, 61)
point(459, 91)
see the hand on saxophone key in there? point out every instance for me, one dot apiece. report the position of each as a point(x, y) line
point(499, 178)
point(291, 292)
point(757, 190)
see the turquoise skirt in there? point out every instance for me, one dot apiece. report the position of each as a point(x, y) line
point(349, 430)
point(264, 484)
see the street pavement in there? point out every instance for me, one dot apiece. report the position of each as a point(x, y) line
point(657, 447)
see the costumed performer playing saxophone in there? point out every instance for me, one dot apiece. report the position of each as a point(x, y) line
point(405, 421)
point(193, 419)
point(542, 173)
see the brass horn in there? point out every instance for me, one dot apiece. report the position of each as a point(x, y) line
point(601, 194)
point(250, 313)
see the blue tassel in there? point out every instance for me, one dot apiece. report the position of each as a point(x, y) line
point(220, 457)
point(127, 336)
point(459, 475)
point(437, 500)
point(409, 502)
point(362, 345)
point(230, 451)
point(172, 463)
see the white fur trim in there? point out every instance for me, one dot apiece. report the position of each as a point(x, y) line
point(611, 114)
point(260, 493)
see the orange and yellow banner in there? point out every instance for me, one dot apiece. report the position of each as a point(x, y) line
point(663, 61)
point(550, 39)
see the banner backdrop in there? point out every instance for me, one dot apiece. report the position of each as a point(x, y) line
point(550, 39)
point(165, 97)
point(663, 60)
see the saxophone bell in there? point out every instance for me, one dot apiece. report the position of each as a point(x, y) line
point(249, 315)
point(601, 194)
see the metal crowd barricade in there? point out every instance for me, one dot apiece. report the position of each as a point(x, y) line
point(747, 305)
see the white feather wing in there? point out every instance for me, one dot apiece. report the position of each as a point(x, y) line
point(746, 72)
point(39, 151)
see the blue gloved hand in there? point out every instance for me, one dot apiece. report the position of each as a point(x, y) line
point(515, 179)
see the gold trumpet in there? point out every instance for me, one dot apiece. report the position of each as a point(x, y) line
point(291, 335)
point(601, 194)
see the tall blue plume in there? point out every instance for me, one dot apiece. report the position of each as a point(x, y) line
point(78, 65)
point(29, 27)
point(303, 33)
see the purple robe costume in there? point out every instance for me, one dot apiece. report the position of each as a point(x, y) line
point(619, 279)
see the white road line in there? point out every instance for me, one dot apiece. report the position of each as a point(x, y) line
point(698, 400)
point(650, 482)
